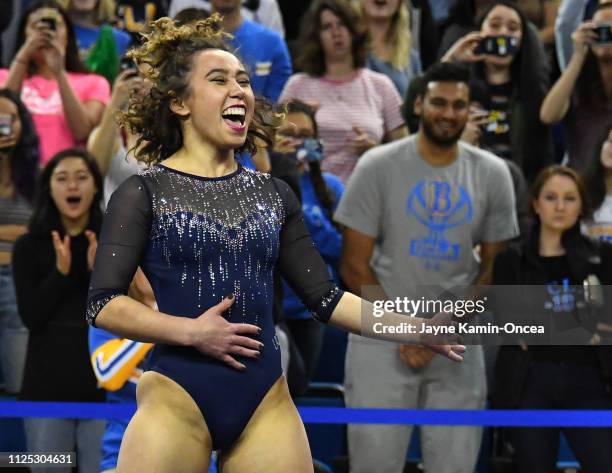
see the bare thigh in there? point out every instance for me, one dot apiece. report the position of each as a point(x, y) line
point(274, 440)
point(167, 434)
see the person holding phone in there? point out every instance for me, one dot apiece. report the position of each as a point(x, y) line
point(110, 143)
point(509, 64)
point(18, 171)
point(297, 139)
point(582, 97)
point(65, 100)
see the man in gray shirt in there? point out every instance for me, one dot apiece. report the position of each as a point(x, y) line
point(414, 211)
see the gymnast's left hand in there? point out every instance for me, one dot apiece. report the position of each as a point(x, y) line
point(214, 336)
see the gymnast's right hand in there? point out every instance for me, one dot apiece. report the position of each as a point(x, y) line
point(216, 337)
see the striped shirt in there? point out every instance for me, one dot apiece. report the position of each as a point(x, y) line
point(368, 101)
point(13, 211)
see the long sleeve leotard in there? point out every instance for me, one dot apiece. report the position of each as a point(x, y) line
point(199, 239)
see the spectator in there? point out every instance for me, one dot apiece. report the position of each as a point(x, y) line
point(265, 12)
point(392, 54)
point(598, 181)
point(51, 267)
point(516, 84)
point(109, 144)
point(87, 17)
point(263, 51)
point(65, 100)
point(357, 109)
point(420, 205)
point(582, 97)
point(320, 193)
point(18, 170)
point(554, 256)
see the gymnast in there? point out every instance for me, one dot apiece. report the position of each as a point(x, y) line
point(208, 234)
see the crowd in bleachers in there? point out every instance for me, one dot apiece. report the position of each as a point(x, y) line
point(365, 126)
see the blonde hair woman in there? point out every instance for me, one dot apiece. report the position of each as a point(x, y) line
point(391, 53)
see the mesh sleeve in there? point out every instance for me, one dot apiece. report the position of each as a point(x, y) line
point(300, 262)
point(121, 244)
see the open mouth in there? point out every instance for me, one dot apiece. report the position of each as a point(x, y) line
point(380, 3)
point(74, 201)
point(235, 116)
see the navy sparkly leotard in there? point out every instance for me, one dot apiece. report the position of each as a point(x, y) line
point(198, 240)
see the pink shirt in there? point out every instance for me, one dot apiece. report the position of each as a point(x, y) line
point(368, 100)
point(42, 98)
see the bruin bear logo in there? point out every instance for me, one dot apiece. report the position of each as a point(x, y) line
point(438, 206)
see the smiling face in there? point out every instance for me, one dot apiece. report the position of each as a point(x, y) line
point(335, 37)
point(220, 102)
point(380, 9)
point(558, 204)
point(502, 21)
point(72, 188)
point(444, 111)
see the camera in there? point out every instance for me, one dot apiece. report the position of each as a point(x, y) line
point(311, 150)
point(498, 46)
point(50, 22)
point(6, 124)
point(604, 33)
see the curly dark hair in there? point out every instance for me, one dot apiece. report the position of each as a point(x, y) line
point(167, 54)
point(311, 58)
point(25, 156)
point(46, 217)
point(73, 60)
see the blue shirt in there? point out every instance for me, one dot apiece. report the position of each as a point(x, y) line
point(326, 236)
point(87, 37)
point(400, 77)
point(266, 57)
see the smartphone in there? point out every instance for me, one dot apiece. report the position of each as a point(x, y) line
point(498, 46)
point(603, 32)
point(50, 22)
point(6, 124)
point(311, 150)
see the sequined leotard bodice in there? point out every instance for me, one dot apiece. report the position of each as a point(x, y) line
point(198, 240)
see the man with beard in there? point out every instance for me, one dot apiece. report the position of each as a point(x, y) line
point(413, 212)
